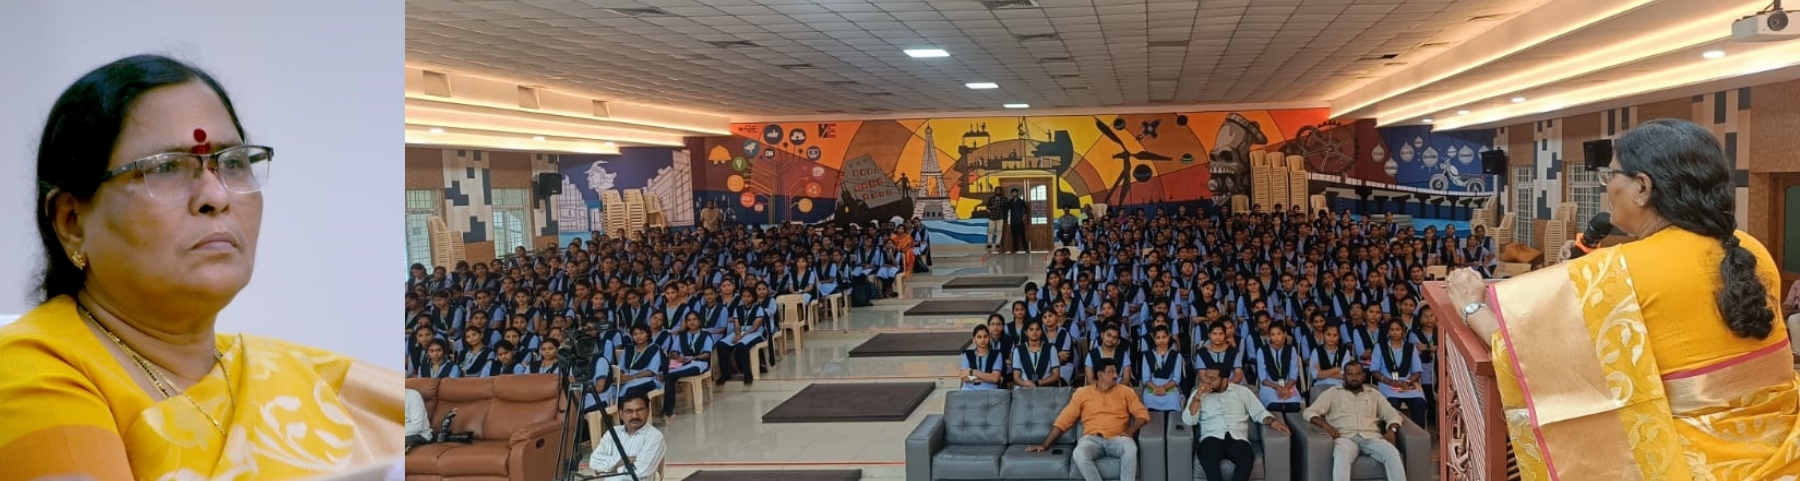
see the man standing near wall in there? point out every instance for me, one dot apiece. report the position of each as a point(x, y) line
point(996, 214)
point(1018, 213)
point(710, 218)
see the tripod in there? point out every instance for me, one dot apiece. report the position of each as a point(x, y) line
point(567, 458)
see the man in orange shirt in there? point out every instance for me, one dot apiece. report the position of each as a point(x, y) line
point(1111, 417)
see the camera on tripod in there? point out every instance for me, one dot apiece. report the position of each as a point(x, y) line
point(580, 348)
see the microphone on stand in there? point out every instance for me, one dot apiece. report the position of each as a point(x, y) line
point(1597, 229)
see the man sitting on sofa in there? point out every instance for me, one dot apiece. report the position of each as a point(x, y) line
point(418, 429)
point(1220, 412)
point(1349, 414)
point(1110, 415)
point(644, 445)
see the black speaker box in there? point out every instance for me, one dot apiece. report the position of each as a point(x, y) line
point(1493, 162)
point(1597, 153)
point(549, 183)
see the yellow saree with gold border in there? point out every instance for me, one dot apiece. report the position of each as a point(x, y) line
point(1618, 366)
point(287, 412)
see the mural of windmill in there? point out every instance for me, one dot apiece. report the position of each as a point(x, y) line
point(1122, 185)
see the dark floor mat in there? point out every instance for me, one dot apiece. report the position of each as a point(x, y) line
point(851, 402)
point(949, 307)
point(809, 475)
point(986, 282)
point(912, 344)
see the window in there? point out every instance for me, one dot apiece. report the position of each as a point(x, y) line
point(512, 220)
point(1039, 196)
point(1524, 194)
point(1586, 189)
point(421, 206)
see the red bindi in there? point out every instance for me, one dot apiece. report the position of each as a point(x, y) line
point(200, 138)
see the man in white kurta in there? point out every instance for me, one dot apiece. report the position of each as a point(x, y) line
point(644, 445)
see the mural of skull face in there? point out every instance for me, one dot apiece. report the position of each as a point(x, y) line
point(1230, 164)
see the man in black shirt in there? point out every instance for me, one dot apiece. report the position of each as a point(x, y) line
point(1017, 213)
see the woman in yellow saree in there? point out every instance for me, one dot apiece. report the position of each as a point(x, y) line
point(1662, 358)
point(149, 207)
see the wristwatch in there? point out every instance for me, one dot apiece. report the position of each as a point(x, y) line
point(1469, 310)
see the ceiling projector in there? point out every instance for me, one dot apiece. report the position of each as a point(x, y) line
point(1770, 25)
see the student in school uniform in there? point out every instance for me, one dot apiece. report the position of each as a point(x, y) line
point(1279, 365)
point(546, 358)
point(982, 367)
point(416, 348)
point(1162, 370)
point(1110, 348)
point(641, 366)
point(475, 355)
point(1059, 337)
point(1327, 361)
point(505, 361)
point(692, 356)
point(437, 361)
point(1220, 353)
point(1396, 371)
point(1034, 362)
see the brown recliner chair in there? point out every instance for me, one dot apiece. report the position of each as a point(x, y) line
point(516, 421)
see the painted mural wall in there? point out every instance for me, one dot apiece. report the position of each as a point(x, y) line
point(660, 173)
point(942, 168)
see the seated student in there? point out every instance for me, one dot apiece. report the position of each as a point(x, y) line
point(1219, 353)
point(1059, 337)
point(1280, 365)
point(1109, 350)
point(691, 357)
point(546, 358)
point(745, 332)
point(1220, 412)
point(415, 349)
point(1034, 361)
point(1327, 361)
point(1162, 371)
point(660, 335)
point(1425, 335)
point(504, 362)
point(642, 365)
point(1397, 371)
point(644, 445)
point(437, 361)
point(981, 365)
point(1110, 417)
point(1349, 413)
point(474, 358)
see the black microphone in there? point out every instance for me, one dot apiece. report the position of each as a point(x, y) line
point(1597, 229)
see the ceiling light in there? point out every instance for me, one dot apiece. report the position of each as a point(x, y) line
point(982, 85)
point(437, 130)
point(1016, 106)
point(1426, 120)
point(538, 138)
point(926, 52)
point(1518, 100)
point(1712, 54)
point(1462, 112)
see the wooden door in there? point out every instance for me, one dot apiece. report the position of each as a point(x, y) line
point(1784, 228)
point(1037, 193)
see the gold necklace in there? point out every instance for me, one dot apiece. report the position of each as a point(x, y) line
point(155, 376)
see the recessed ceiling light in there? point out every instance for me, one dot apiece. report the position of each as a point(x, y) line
point(1462, 112)
point(982, 85)
point(437, 130)
point(1016, 106)
point(926, 52)
point(538, 138)
point(1518, 100)
point(1712, 54)
point(1426, 120)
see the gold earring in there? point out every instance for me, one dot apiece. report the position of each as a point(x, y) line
point(80, 260)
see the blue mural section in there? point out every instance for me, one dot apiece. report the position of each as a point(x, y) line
point(590, 174)
point(1418, 157)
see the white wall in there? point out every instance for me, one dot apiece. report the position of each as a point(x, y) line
point(319, 80)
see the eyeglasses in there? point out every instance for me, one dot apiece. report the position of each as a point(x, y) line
point(1607, 172)
point(174, 175)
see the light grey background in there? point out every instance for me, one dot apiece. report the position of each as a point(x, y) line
point(319, 80)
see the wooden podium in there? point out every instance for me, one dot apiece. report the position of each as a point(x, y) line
point(1472, 434)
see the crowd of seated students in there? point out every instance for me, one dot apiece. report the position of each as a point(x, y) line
point(1277, 302)
point(663, 304)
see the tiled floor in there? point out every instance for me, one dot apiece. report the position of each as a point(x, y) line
point(731, 435)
